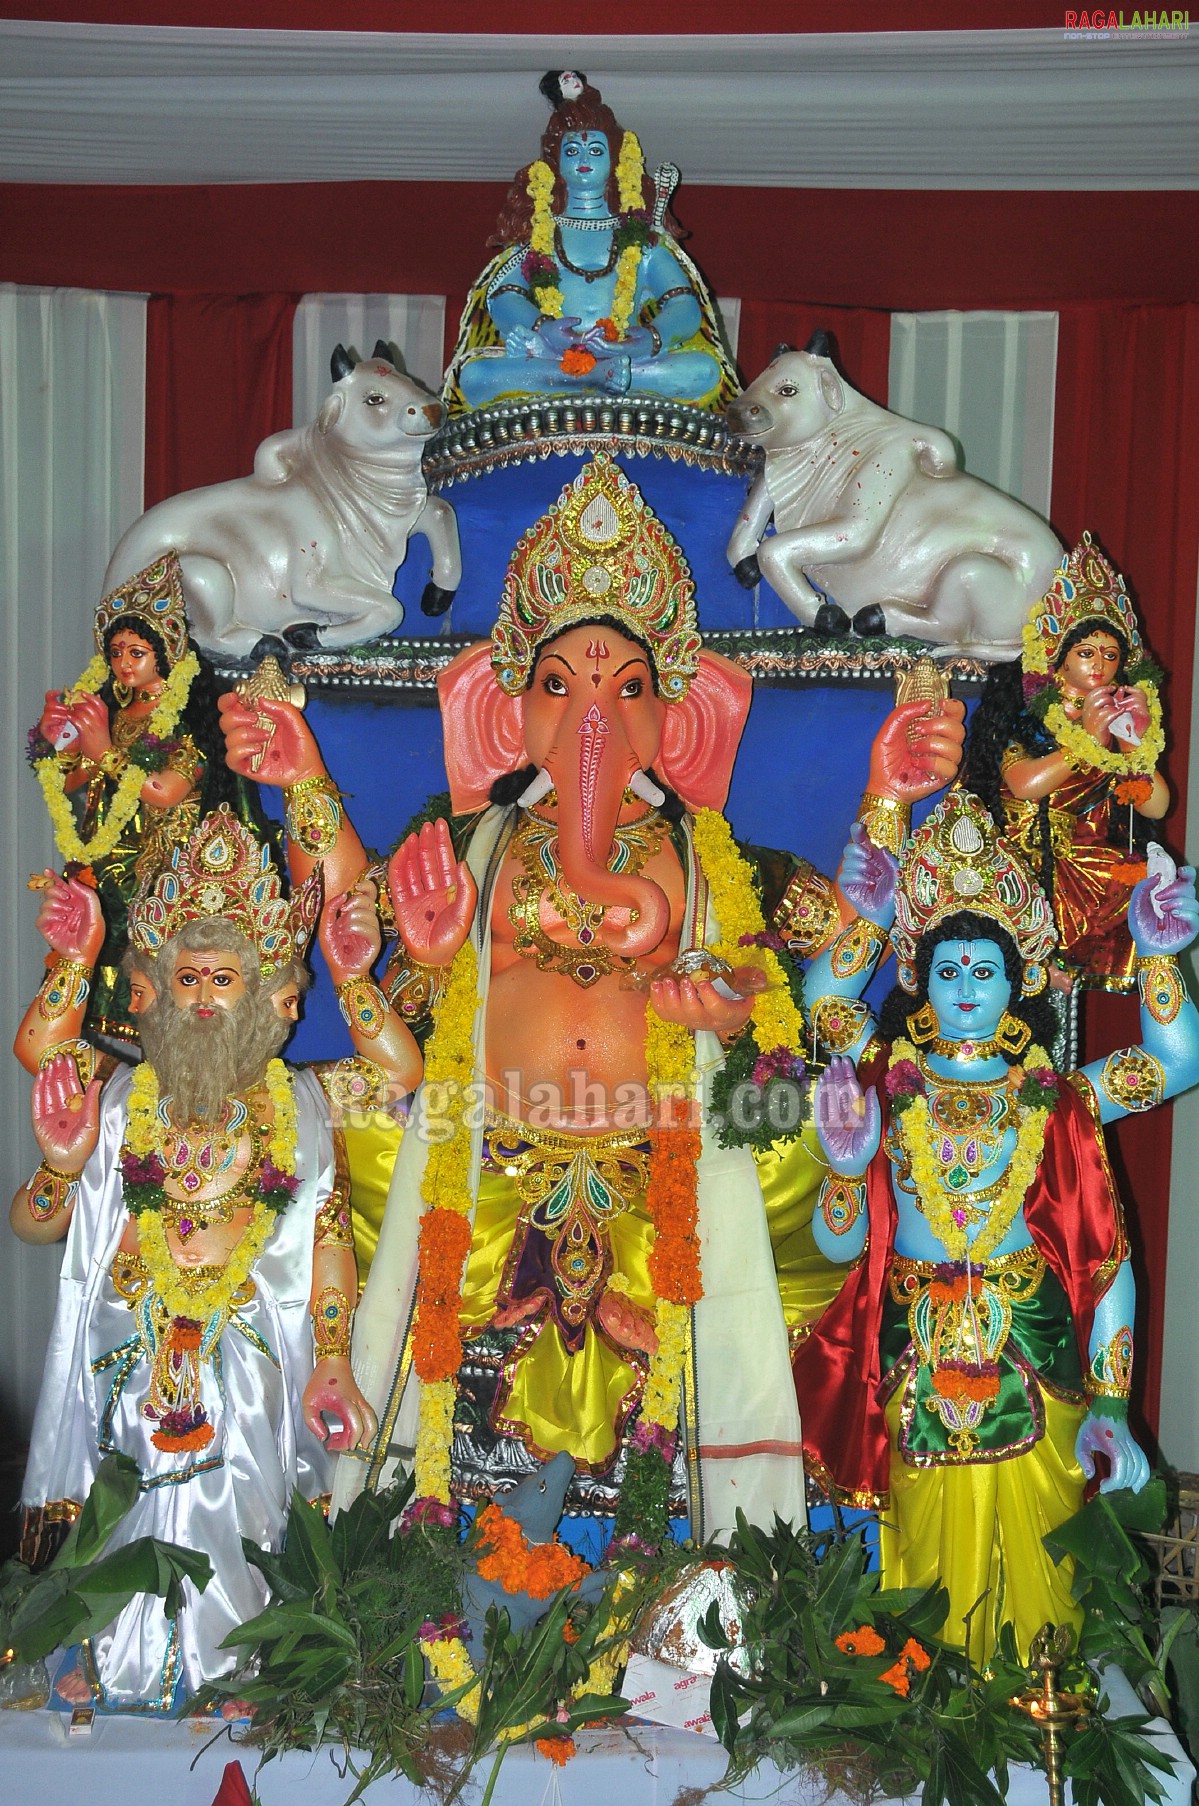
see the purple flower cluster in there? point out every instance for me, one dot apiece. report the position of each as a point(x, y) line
point(271, 1179)
point(779, 1063)
point(1033, 682)
point(1040, 1088)
point(655, 1436)
point(765, 937)
point(37, 747)
point(448, 1625)
point(428, 1510)
point(903, 1083)
point(536, 267)
point(142, 1169)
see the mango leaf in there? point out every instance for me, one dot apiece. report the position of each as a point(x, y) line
point(93, 1595)
point(840, 1576)
point(414, 1674)
point(710, 1630)
point(112, 1496)
point(723, 1703)
point(955, 1778)
point(309, 1547)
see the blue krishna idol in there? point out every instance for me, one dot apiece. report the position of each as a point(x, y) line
point(979, 1356)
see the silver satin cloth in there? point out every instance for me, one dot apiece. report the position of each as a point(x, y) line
point(96, 1381)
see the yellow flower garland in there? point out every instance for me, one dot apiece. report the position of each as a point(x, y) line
point(1074, 739)
point(937, 1205)
point(142, 1126)
point(775, 1019)
point(669, 1070)
point(540, 188)
point(161, 724)
point(452, 1667)
point(218, 1293)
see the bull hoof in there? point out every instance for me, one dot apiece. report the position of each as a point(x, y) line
point(748, 572)
point(870, 621)
point(436, 600)
point(270, 646)
point(832, 619)
point(305, 636)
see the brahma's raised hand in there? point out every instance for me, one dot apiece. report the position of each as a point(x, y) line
point(70, 919)
point(66, 1118)
point(433, 895)
point(918, 750)
point(268, 741)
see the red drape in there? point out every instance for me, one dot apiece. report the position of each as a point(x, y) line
point(1126, 466)
point(218, 381)
point(863, 336)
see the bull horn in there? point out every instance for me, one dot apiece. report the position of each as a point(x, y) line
point(341, 363)
point(820, 344)
point(386, 352)
point(780, 351)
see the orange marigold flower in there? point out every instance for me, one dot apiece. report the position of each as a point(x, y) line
point(1129, 871)
point(578, 361)
point(558, 1750)
point(609, 328)
point(897, 1677)
point(916, 1654)
point(864, 1641)
point(1134, 790)
point(538, 1569)
point(570, 1631)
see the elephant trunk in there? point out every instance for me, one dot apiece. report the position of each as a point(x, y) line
point(590, 793)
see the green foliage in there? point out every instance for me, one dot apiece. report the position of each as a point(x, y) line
point(84, 1588)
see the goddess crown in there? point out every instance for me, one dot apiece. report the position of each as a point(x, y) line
point(154, 596)
point(225, 871)
point(598, 551)
point(1085, 588)
point(955, 861)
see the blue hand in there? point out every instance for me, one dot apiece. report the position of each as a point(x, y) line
point(1174, 922)
point(1111, 1436)
point(847, 1120)
point(868, 878)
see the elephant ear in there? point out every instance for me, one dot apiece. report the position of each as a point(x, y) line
point(703, 731)
point(483, 729)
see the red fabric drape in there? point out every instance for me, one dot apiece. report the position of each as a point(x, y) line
point(1126, 466)
point(218, 381)
point(863, 336)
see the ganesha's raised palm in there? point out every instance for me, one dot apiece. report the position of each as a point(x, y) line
point(432, 894)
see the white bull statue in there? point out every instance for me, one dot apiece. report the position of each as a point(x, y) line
point(875, 511)
point(307, 548)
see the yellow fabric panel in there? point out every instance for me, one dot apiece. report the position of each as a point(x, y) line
point(977, 1530)
point(790, 1174)
point(372, 1140)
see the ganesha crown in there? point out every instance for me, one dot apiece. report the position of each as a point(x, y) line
point(600, 550)
point(224, 870)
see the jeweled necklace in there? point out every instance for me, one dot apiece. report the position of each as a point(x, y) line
point(962, 1050)
point(588, 222)
point(535, 844)
point(605, 269)
point(200, 1154)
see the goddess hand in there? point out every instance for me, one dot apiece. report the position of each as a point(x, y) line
point(1111, 1436)
point(66, 1118)
point(268, 741)
point(847, 1119)
point(350, 937)
point(91, 718)
point(71, 920)
point(55, 716)
point(1133, 702)
point(433, 897)
point(918, 750)
point(868, 878)
point(1099, 708)
point(1163, 914)
point(334, 1390)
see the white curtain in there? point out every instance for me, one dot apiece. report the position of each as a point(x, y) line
point(988, 379)
point(72, 413)
point(415, 324)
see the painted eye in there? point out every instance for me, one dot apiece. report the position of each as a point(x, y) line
point(984, 974)
point(375, 400)
point(633, 687)
point(787, 389)
point(554, 686)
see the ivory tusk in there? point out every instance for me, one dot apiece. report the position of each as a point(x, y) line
point(643, 786)
point(533, 792)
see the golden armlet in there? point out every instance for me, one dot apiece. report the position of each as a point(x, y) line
point(65, 987)
point(332, 1317)
point(1110, 1372)
point(1160, 984)
point(363, 1006)
point(50, 1191)
point(887, 822)
point(312, 815)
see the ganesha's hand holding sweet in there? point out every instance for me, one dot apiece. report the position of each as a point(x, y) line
point(333, 1390)
point(868, 878)
point(917, 750)
point(848, 1122)
point(433, 895)
point(1104, 1431)
point(70, 919)
point(701, 1005)
point(66, 1118)
point(1163, 913)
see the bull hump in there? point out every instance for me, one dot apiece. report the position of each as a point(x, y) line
point(807, 479)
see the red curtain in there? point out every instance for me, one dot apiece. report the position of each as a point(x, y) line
point(1126, 466)
point(218, 381)
point(863, 339)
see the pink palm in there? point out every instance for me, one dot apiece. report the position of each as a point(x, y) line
point(433, 895)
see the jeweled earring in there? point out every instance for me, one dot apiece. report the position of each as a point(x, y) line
point(1012, 1036)
point(1035, 980)
point(922, 1023)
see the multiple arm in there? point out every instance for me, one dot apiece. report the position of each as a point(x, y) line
point(71, 922)
point(93, 751)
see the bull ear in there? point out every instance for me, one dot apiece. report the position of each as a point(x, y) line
point(330, 411)
point(341, 363)
point(833, 391)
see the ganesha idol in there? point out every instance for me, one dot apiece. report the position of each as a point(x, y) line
point(590, 291)
point(576, 1253)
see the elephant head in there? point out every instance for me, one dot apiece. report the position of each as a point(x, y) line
point(592, 722)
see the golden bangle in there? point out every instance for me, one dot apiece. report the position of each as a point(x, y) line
point(332, 1317)
point(886, 820)
point(808, 916)
point(49, 1192)
point(111, 763)
point(857, 948)
point(312, 814)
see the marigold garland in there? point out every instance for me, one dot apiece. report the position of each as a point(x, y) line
point(776, 1021)
point(944, 1211)
point(540, 187)
point(161, 724)
point(217, 1294)
point(1083, 747)
point(520, 1566)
